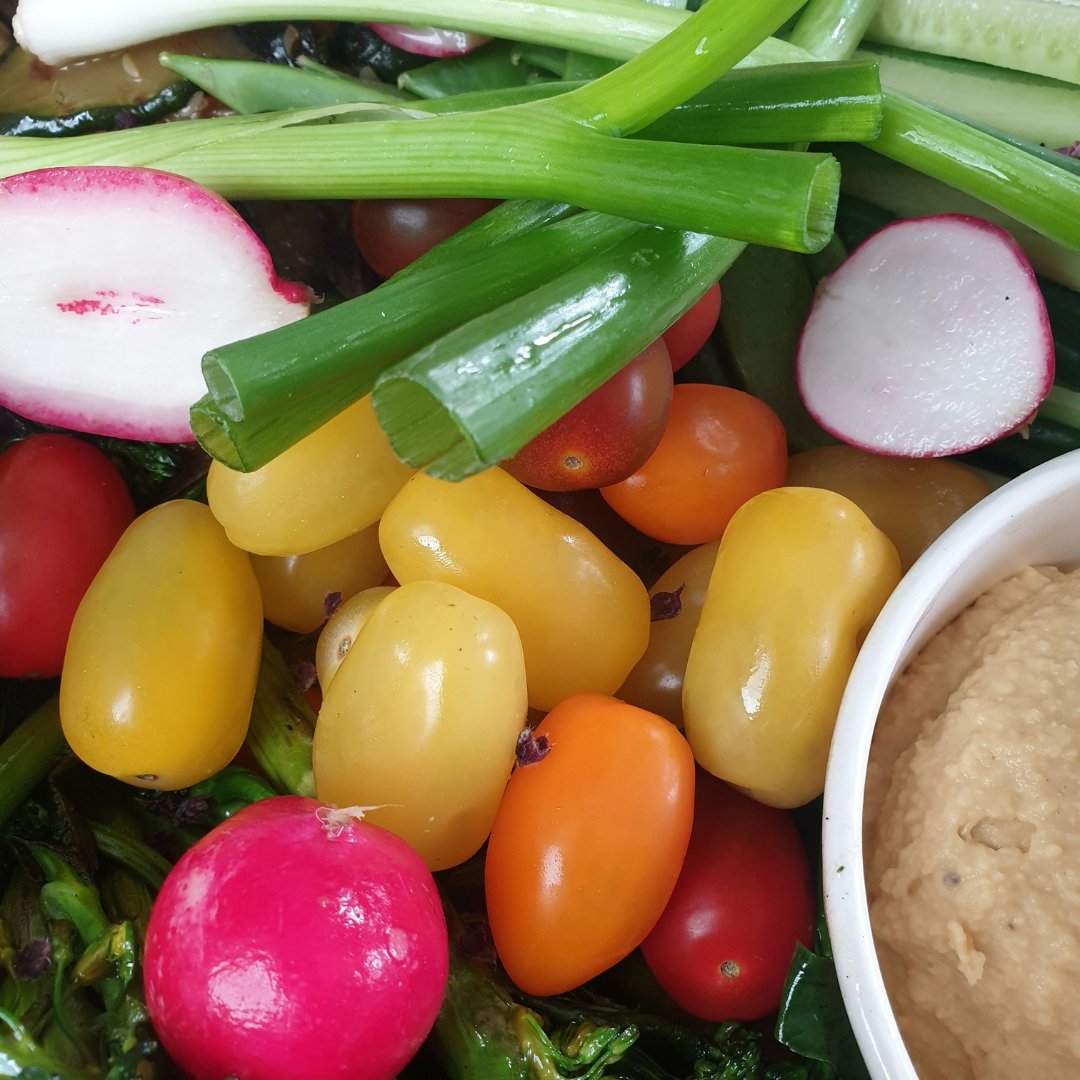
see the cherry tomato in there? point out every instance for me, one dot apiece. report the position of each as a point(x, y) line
point(685, 337)
point(391, 233)
point(720, 448)
point(160, 669)
point(63, 506)
point(420, 722)
point(675, 601)
point(588, 841)
point(605, 437)
point(745, 896)
point(300, 591)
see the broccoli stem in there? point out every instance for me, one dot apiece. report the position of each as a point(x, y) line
point(27, 755)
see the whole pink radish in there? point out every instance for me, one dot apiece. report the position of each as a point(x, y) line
point(932, 338)
point(296, 942)
point(115, 282)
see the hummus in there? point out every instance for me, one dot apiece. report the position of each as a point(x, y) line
point(973, 838)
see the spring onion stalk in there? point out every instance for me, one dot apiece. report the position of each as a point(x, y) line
point(248, 367)
point(27, 755)
point(681, 64)
point(60, 30)
point(478, 394)
point(907, 193)
point(769, 197)
point(830, 102)
point(335, 357)
point(1035, 192)
point(495, 65)
point(833, 29)
point(1061, 405)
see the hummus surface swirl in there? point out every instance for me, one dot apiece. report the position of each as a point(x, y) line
point(973, 837)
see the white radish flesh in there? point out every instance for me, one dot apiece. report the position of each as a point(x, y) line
point(932, 338)
point(114, 283)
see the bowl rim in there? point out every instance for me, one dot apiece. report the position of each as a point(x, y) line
point(884, 651)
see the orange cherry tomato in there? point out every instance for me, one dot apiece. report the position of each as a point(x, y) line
point(588, 841)
point(720, 448)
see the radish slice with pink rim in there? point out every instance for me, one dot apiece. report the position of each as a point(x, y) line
point(427, 40)
point(115, 282)
point(932, 338)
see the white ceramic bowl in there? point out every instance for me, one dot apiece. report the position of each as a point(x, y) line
point(1034, 519)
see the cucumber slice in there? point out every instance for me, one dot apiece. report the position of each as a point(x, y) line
point(1031, 107)
point(102, 92)
point(1039, 36)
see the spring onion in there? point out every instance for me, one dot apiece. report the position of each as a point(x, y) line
point(334, 358)
point(478, 394)
point(838, 102)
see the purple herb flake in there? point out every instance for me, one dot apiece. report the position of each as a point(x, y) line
point(531, 748)
point(665, 605)
point(303, 674)
point(32, 960)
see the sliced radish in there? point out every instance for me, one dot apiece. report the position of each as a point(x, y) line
point(427, 40)
point(114, 283)
point(932, 338)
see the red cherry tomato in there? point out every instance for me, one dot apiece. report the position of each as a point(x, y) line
point(744, 897)
point(720, 448)
point(588, 842)
point(605, 437)
point(391, 233)
point(63, 506)
point(685, 337)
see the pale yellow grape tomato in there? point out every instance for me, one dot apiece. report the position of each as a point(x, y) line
point(300, 591)
point(331, 484)
point(163, 655)
point(421, 720)
point(339, 633)
point(582, 613)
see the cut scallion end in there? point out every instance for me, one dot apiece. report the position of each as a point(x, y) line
point(268, 392)
point(477, 395)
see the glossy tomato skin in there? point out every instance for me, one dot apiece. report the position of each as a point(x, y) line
point(744, 897)
point(686, 336)
point(605, 437)
point(63, 506)
point(392, 233)
point(721, 447)
point(588, 842)
point(163, 655)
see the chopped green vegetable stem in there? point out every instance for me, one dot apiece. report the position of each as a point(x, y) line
point(27, 755)
point(833, 29)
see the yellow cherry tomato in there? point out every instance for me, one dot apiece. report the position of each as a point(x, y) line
point(800, 575)
point(421, 721)
point(330, 485)
point(583, 615)
point(163, 655)
point(339, 633)
point(676, 600)
point(300, 591)
point(912, 500)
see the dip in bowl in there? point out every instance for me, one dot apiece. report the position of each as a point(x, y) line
point(963, 841)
